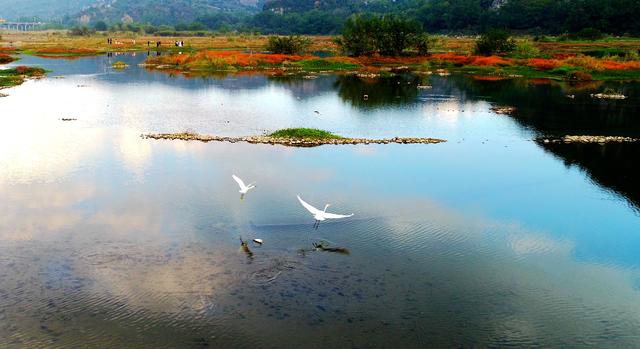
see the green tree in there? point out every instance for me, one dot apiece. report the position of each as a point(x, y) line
point(394, 35)
point(388, 35)
point(100, 26)
point(288, 44)
point(495, 41)
point(357, 37)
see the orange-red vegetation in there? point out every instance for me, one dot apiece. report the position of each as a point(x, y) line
point(564, 55)
point(66, 50)
point(540, 81)
point(226, 58)
point(4, 58)
point(491, 61)
point(29, 71)
point(543, 64)
point(613, 65)
point(381, 60)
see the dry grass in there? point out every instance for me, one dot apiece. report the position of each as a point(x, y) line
point(33, 41)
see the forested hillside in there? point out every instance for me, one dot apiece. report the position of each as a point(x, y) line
point(328, 16)
point(46, 9)
point(164, 11)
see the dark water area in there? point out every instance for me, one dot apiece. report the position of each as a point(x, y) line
point(488, 240)
point(612, 165)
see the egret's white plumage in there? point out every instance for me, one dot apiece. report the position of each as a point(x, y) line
point(321, 215)
point(243, 187)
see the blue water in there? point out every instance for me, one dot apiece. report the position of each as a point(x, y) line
point(489, 239)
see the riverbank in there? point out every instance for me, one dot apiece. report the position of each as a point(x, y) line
point(214, 54)
point(588, 139)
point(289, 141)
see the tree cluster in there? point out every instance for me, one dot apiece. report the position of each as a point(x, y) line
point(288, 17)
point(288, 45)
point(386, 35)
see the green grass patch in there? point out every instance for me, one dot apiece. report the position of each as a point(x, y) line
point(324, 64)
point(560, 73)
point(304, 133)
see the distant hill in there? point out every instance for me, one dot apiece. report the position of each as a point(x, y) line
point(162, 11)
point(44, 9)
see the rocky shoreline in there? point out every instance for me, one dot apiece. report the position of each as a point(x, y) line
point(588, 139)
point(291, 142)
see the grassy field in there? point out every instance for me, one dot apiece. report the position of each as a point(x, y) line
point(57, 42)
point(607, 59)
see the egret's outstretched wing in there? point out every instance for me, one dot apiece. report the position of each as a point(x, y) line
point(239, 181)
point(336, 216)
point(309, 208)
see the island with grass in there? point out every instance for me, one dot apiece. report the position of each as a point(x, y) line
point(18, 75)
point(293, 137)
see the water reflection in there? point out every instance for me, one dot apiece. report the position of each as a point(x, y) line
point(611, 165)
point(371, 93)
point(108, 239)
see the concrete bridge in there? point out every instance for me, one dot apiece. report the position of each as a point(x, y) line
point(20, 26)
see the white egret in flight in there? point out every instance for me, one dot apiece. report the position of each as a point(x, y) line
point(321, 215)
point(243, 188)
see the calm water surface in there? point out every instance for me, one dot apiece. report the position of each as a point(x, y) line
point(488, 240)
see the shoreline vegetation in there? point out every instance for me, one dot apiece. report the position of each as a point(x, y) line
point(300, 137)
point(18, 75)
point(546, 58)
point(587, 139)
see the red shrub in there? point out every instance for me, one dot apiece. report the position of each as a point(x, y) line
point(491, 61)
point(4, 58)
point(564, 55)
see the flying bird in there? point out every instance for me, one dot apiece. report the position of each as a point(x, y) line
point(243, 188)
point(321, 215)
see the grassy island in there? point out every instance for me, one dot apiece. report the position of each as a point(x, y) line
point(299, 137)
point(310, 133)
point(17, 75)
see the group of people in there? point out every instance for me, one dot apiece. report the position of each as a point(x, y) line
point(111, 42)
point(158, 43)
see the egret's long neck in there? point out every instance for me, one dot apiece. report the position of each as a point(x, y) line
point(326, 207)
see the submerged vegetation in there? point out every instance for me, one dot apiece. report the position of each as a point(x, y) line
point(17, 75)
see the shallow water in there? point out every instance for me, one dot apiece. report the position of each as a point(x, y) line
point(490, 239)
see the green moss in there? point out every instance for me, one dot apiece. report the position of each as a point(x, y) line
point(303, 133)
point(324, 64)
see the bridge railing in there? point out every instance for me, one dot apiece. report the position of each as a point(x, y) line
point(20, 26)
